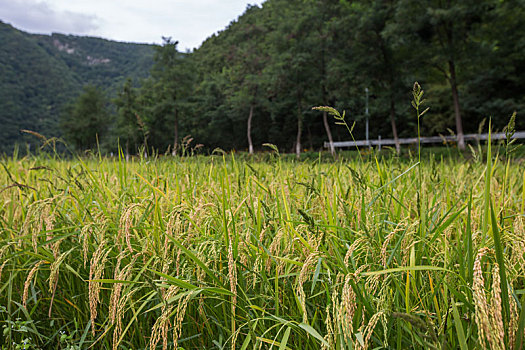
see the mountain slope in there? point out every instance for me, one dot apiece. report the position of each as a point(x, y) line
point(41, 73)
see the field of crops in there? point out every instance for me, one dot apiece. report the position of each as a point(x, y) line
point(221, 253)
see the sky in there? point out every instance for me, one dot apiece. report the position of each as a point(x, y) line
point(143, 21)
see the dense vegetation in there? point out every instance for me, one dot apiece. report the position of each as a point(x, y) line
point(40, 75)
point(217, 253)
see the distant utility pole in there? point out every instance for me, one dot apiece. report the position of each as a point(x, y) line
point(366, 114)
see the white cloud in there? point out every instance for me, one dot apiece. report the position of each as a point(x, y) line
point(40, 17)
point(188, 21)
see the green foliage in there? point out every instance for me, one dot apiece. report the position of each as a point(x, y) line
point(128, 122)
point(163, 105)
point(85, 121)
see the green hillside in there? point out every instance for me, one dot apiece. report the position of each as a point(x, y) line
point(40, 73)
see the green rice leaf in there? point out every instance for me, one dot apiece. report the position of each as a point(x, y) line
point(310, 330)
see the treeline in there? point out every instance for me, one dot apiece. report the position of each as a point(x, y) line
point(257, 81)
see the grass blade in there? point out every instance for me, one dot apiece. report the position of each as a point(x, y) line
point(520, 342)
point(501, 262)
point(284, 341)
point(310, 330)
point(459, 326)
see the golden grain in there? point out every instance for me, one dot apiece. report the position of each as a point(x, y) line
point(179, 317)
point(126, 223)
point(496, 318)
point(2, 268)
point(480, 301)
point(98, 262)
point(303, 275)
point(162, 324)
point(28, 281)
point(369, 330)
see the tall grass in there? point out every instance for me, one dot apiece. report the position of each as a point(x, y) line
point(221, 253)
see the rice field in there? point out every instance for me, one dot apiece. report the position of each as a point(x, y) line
point(222, 253)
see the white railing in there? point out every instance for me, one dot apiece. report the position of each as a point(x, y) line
point(428, 139)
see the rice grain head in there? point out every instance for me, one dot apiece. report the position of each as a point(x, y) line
point(3, 250)
point(27, 227)
point(85, 234)
point(496, 318)
point(162, 324)
point(514, 321)
point(330, 334)
point(369, 329)
point(399, 227)
point(357, 243)
point(303, 276)
point(98, 262)
point(55, 270)
point(480, 302)
point(2, 268)
point(117, 331)
point(347, 308)
point(179, 317)
point(232, 275)
point(28, 281)
point(125, 225)
point(121, 275)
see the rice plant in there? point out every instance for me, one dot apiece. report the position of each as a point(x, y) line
point(221, 253)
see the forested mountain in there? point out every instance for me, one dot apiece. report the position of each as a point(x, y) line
point(40, 74)
point(258, 79)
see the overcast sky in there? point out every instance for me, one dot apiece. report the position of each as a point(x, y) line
point(145, 21)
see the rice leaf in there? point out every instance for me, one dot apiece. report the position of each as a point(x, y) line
point(459, 326)
point(284, 341)
point(310, 330)
point(502, 271)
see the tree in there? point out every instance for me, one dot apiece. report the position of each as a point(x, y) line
point(172, 84)
point(128, 127)
point(258, 79)
point(323, 13)
point(441, 35)
point(492, 87)
point(85, 121)
point(247, 60)
point(374, 60)
point(292, 59)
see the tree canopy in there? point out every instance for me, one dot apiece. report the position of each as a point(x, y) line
point(85, 121)
point(258, 80)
